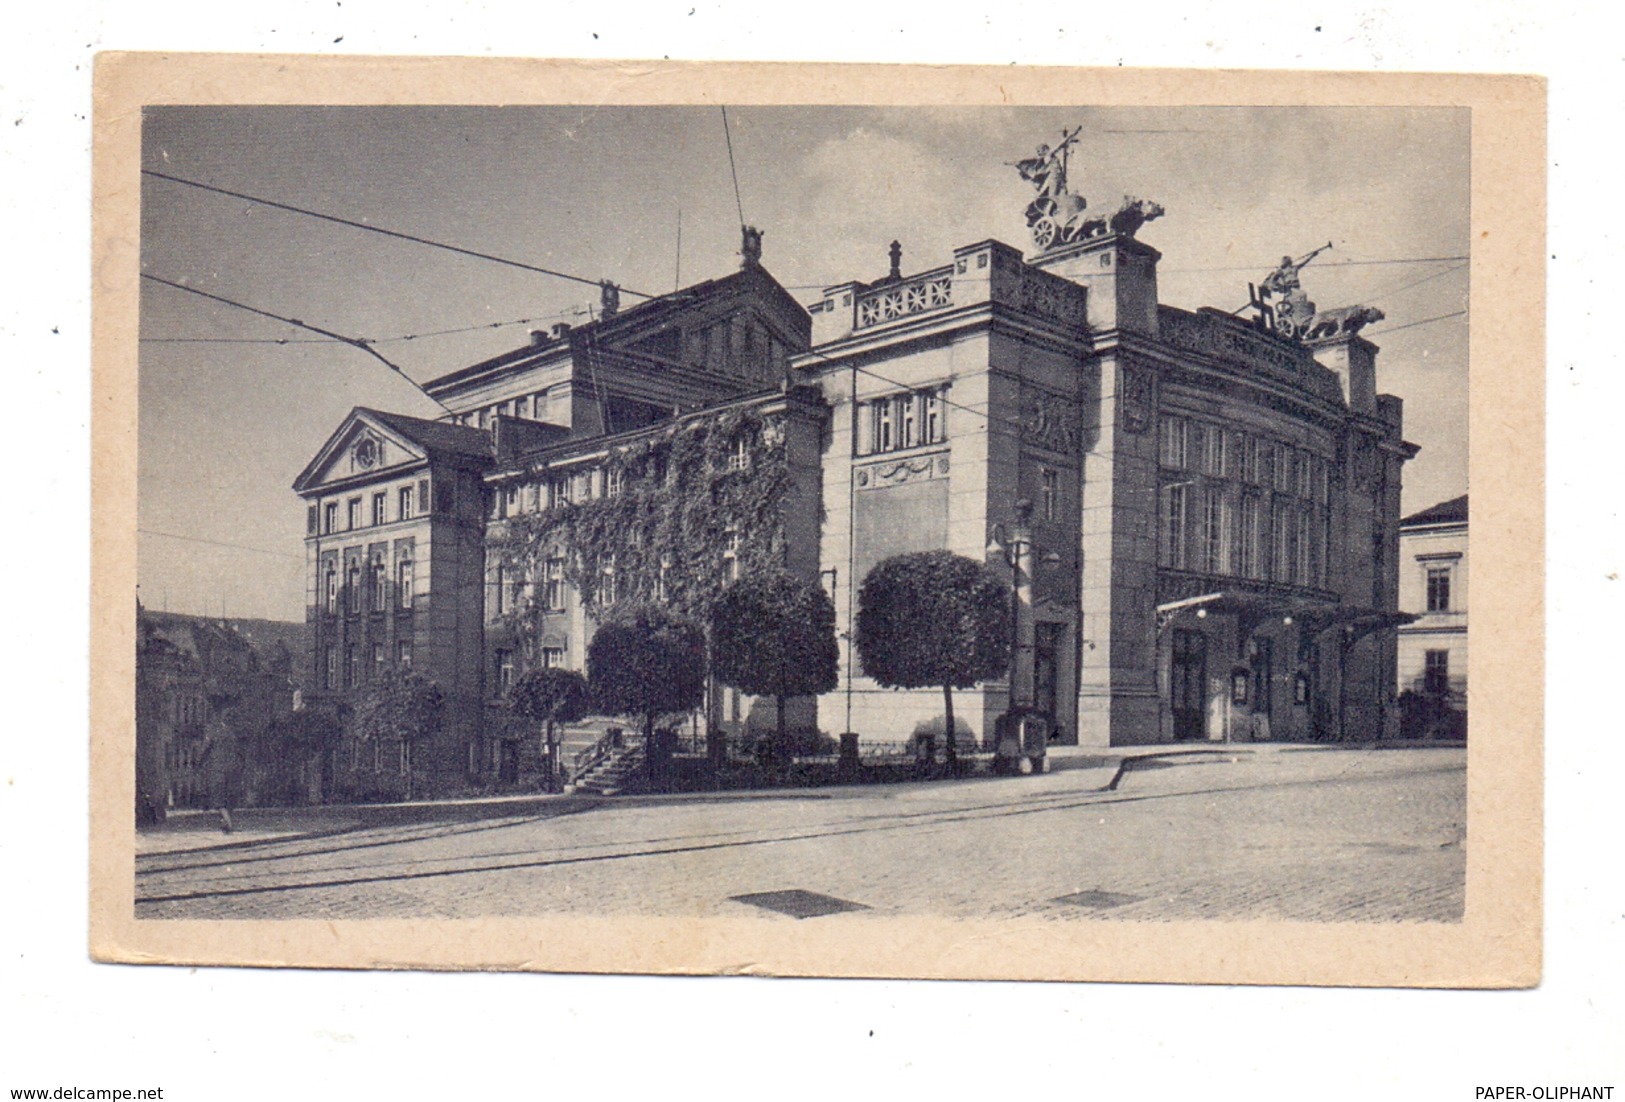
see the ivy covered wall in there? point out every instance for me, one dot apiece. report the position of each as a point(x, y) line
point(690, 497)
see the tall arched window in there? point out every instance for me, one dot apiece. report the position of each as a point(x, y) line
point(332, 588)
point(380, 584)
point(354, 580)
point(403, 576)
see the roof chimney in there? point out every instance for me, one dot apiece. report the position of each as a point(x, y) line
point(561, 330)
point(538, 337)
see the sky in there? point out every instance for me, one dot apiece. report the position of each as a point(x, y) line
point(232, 405)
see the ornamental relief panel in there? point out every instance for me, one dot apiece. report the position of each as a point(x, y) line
point(874, 476)
point(1051, 422)
point(1138, 403)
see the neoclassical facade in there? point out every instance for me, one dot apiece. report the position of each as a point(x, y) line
point(1213, 504)
point(1433, 583)
point(1198, 512)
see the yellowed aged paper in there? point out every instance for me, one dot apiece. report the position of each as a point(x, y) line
point(1495, 941)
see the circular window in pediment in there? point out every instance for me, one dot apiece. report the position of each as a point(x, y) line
point(366, 452)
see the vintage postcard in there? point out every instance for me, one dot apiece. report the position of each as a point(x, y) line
point(818, 520)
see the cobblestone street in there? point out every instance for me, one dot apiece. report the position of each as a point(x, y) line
point(1305, 833)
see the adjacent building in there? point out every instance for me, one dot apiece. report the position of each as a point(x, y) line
point(208, 706)
point(1433, 649)
point(1199, 513)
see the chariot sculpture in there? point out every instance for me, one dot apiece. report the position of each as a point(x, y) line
point(1283, 307)
point(1055, 216)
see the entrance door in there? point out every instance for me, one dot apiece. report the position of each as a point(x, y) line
point(1188, 685)
point(1263, 679)
point(508, 767)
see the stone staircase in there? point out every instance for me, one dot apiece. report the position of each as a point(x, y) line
point(619, 770)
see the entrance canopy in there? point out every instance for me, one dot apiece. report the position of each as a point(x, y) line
point(1313, 617)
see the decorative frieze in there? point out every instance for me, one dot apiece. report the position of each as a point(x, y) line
point(919, 468)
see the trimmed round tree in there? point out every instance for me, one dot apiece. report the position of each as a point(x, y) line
point(552, 696)
point(647, 661)
point(773, 634)
point(934, 618)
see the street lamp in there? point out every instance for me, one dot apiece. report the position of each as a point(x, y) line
point(1021, 737)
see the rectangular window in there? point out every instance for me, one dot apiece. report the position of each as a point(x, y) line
point(614, 479)
point(504, 664)
point(1234, 451)
point(1213, 449)
point(1172, 432)
point(403, 654)
point(332, 585)
point(908, 421)
point(899, 421)
point(355, 513)
point(499, 584)
point(739, 459)
point(1215, 532)
point(1173, 527)
point(1248, 448)
point(330, 519)
point(1250, 565)
point(1266, 464)
point(352, 580)
point(555, 585)
point(403, 579)
point(380, 509)
point(423, 495)
point(608, 592)
point(1436, 672)
point(1438, 578)
point(935, 425)
point(377, 661)
point(380, 583)
point(885, 439)
point(1281, 555)
point(510, 497)
point(352, 670)
point(403, 503)
point(558, 491)
point(552, 658)
point(1303, 573)
point(1285, 468)
point(730, 556)
point(1048, 491)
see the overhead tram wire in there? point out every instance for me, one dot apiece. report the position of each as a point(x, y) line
point(414, 238)
point(354, 342)
point(727, 134)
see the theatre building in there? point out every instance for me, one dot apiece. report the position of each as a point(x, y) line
point(1197, 512)
point(1211, 505)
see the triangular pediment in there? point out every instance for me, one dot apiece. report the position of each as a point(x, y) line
point(363, 447)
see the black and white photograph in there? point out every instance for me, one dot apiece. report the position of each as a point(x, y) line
point(806, 518)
